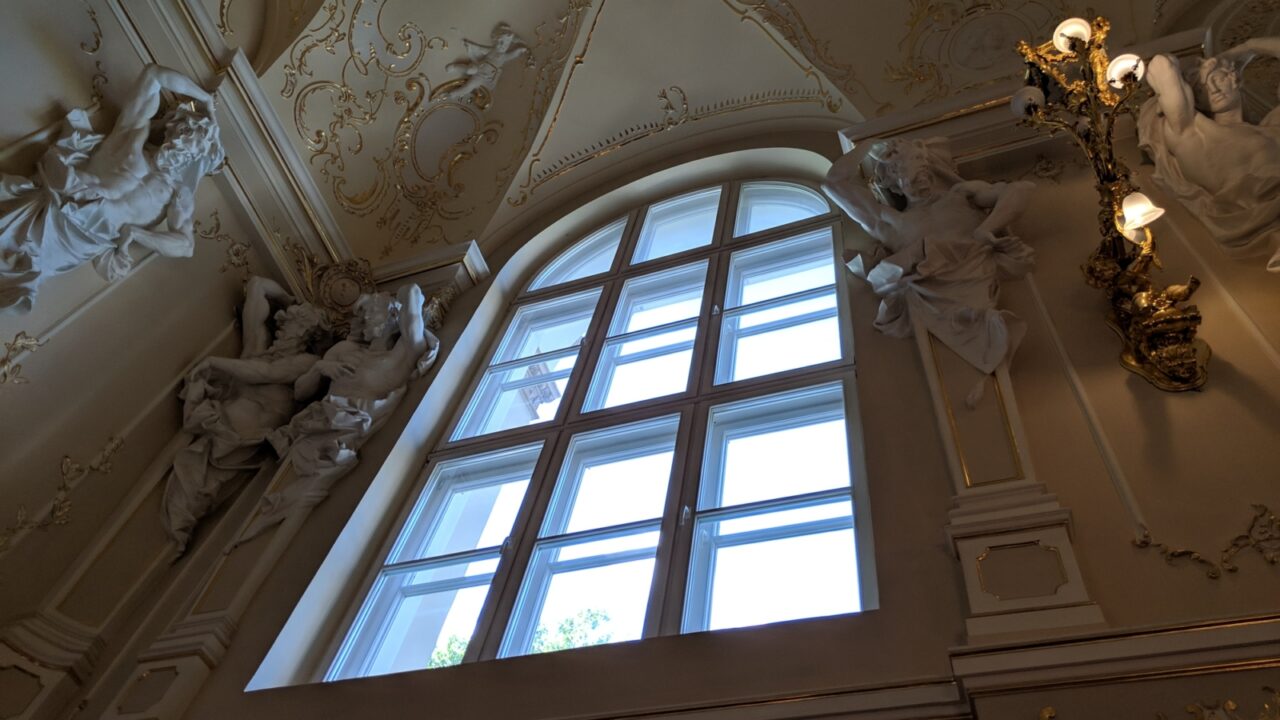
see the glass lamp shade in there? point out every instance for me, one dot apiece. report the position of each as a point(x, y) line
point(1026, 101)
point(1139, 211)
point(1122, 67)
point(1071, 29)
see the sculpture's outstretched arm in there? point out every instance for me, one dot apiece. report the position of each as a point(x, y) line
point(1173, 94)
point(259, 292)
point(144, 100)
point(412, 329)
point(1251, 48)
point(846, 188)
point(1007, 202)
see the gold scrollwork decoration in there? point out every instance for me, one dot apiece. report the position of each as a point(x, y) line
point(935, 45)
point(333, 287)
point(95, 43)
point(783, 17)
point(1263, 536)
point(237, 250)
point(72, 473)
point(10, 369)
point(1215, 710)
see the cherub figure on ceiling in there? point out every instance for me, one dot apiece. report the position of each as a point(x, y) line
point(483, 65)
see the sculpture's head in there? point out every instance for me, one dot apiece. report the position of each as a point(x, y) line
point(301, 328)
point(377, 316)
point(189, 138)
point(1215, 83)
point(909, 172)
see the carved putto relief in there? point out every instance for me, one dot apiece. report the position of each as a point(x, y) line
point(1224, 169)
point(94, 196)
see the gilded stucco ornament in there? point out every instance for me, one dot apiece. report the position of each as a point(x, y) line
point(333, 287)
point(1262, 536)
point(943, 245)
point(95, 196)
point(10, 368)
point(71, 473)
point(1225, 170)
point(1208, 710)
point(237, 251)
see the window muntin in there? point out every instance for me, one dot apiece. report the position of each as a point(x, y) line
point(770, 204)
point(678, 224)
point(590, 256)
point(662, 560)
point(426, 599)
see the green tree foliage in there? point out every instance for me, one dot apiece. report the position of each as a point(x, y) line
point(578, 631)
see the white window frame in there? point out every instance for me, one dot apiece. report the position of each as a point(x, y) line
point(668, 588)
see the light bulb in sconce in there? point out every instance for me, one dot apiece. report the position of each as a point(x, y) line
point(1071, 29)
point(1026, 101)
point(1139, 212)
point(1124, 69)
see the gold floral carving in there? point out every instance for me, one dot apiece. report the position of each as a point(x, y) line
point(237, 250)
point(941, 34)
point(10, 369)
point(676, 111)
point(59, 513)
point(333, 287)
point(783, 17)
point(95, 44)
point(1263, 536)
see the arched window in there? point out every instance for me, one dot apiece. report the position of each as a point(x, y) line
point(659, 443)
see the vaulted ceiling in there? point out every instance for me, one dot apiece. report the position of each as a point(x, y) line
point(563, 93)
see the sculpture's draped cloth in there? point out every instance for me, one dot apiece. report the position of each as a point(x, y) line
point(204, 472)
point(950, 283)
point(1244, 215)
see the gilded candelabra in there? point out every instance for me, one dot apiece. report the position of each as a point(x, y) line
point(1073, 87)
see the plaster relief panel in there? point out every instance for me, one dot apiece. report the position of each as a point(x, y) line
point(18, 689)
point(1021, 570)
point(147, 690)
point(952, 46)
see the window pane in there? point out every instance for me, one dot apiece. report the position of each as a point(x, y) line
point(771, 567)
point(590, 256)
point(679, 224)
point(416, 619)
point(778, 337)
point(764, 205)
point(547, 326)
point(613, 476)
point(587, 593)
point(468, 504)
point(774, 447)
point(518, 395)
point(781, 268)
point(659, 299)
point(635, 368)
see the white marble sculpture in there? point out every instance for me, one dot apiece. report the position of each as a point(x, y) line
point(368, 374)
point(483, 65)
point(94, 196)
point(943, 244)
point(1222, 168)
point(231, 405)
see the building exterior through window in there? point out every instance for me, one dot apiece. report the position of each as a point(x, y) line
point(662, 441)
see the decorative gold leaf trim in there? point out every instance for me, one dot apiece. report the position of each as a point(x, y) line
point(1262, 535)
point(95, 44)
point(237, 250)
point(1216, 710)
point(60, 508)
point(10, 370)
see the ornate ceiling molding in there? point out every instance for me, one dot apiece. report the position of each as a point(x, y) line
point(784, 18)
point(10, 370)
point(953, 46)
point(237, 251)
point(676, 111)
point(59, 511)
